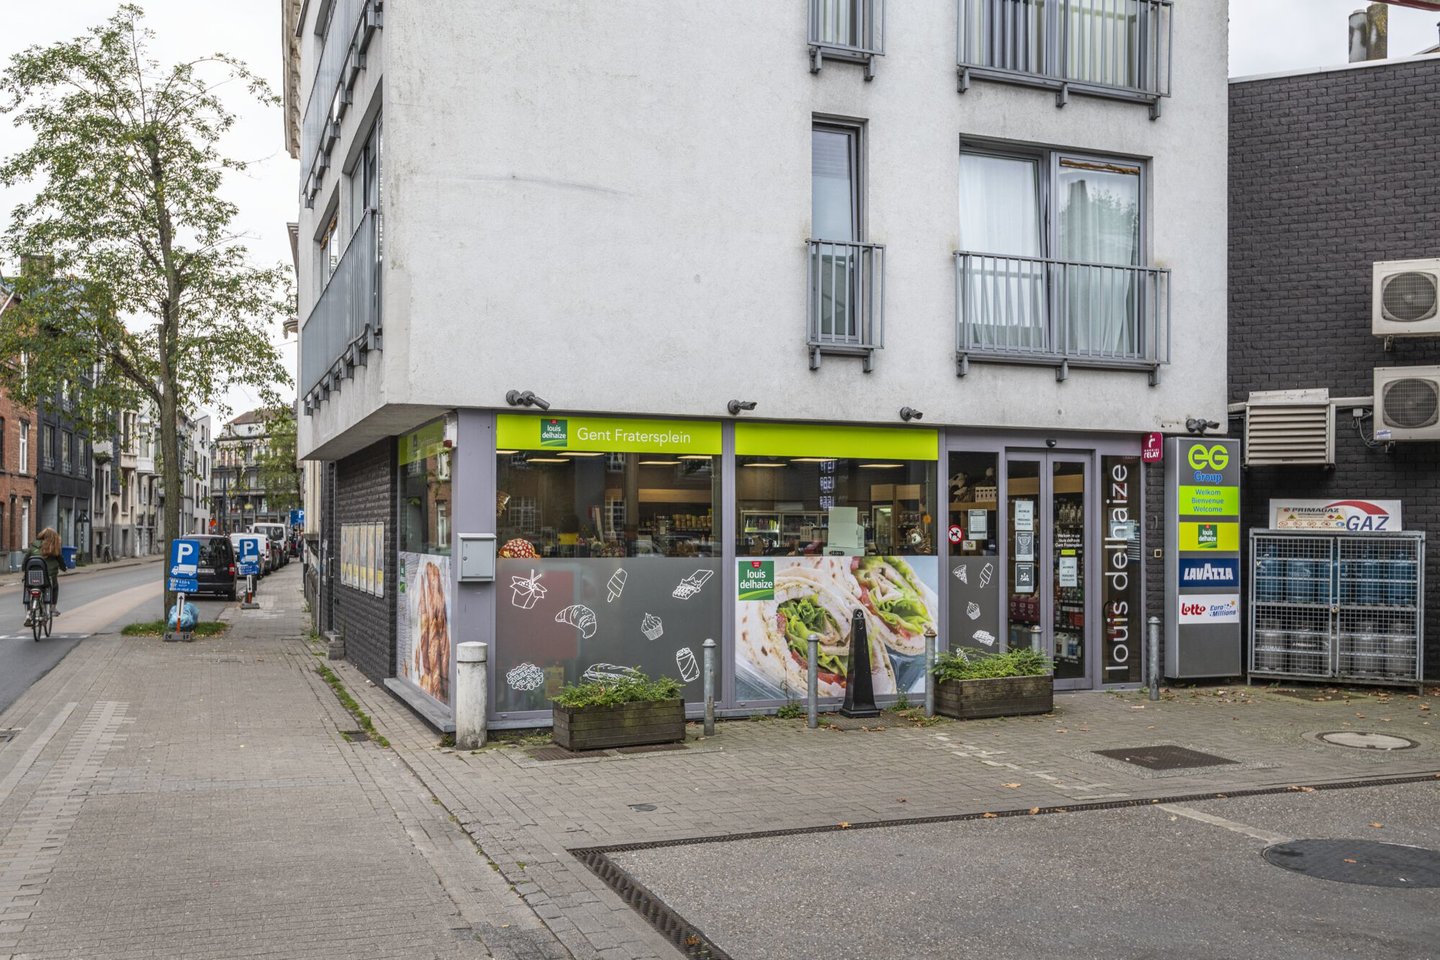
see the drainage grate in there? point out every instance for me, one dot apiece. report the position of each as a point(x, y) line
point(1368, 741)
point(1165, 757)
point(686, 937)
point(355, 736)
point(651, 748)
point(1366, 862)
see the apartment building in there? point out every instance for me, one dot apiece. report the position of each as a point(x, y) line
point(862, 306)
point(236, 488)
point(17, 470)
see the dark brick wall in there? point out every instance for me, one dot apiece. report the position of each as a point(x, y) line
point(365, 493)
point(1328, 173)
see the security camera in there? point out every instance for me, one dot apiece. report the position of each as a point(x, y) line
point(910, 413)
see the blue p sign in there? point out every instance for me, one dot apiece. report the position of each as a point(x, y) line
point(249, 554)
point(184, 565)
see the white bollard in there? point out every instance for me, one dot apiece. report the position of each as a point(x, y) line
point(471, 693)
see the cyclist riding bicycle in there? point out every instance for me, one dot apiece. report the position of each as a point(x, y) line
point(47, 547)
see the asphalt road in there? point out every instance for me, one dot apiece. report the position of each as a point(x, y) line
point(1140, 882)
point(100, 602)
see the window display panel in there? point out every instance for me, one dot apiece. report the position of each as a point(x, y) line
point(831, 521)
point(607, 559)
point(974, 537)
point(424, 608)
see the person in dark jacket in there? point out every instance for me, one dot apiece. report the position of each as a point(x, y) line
point(47, 547)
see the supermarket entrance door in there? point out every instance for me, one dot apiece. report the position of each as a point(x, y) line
point(1048, 575)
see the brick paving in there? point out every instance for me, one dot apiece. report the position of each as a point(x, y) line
point(200, 800)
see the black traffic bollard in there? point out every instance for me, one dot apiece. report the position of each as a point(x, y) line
point(859, 687)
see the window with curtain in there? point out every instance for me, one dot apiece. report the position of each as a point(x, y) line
point(838, 22)
point(1050, 242)
point(835, 222)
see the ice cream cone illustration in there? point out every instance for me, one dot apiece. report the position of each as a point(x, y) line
point(986, 572)
point(616, 586)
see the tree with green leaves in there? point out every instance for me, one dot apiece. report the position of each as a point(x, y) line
point(146, 288)
point(278, 469)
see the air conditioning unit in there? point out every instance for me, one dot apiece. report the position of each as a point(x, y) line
point(1407, 403)
point(1405, 299)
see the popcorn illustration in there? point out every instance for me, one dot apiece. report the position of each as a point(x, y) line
point(691, 585)
point(652, 627)
point(616, 586)
point(972, 610)
point(685, 660)
point(525, 592)
point(579, 616)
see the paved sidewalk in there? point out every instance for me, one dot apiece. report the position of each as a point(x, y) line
point(775, 774)
point(200, 801)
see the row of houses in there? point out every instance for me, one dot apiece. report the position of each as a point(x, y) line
point(105, 497)
point(622, 334)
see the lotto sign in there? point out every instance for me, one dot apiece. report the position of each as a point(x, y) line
point(957, 533)
point(184, 566)
point(1210, 608)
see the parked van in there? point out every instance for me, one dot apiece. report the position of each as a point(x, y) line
point(275, 533)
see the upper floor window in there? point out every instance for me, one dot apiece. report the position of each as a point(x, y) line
point(67, 452)
point(1052, 259)
point(846, 272)
point(364, 183)
point(851, 30)
point(1110, 48)
point(24, 446)
point(327, 252)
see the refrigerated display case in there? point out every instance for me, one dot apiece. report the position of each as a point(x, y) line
point(1338, 606)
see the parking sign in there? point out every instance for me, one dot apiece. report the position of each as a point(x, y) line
point(248, 560)
point(184, 566)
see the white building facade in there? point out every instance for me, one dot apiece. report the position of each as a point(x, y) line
point(742, 301)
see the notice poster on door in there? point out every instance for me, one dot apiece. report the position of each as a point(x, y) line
point(1069, 571)
point(1025, 547)
point(1024, 578)
point(1024, 515)
point(898, 599)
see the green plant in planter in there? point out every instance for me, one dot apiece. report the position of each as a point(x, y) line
point(962, 665)
point(636, 688)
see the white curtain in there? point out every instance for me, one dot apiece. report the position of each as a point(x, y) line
point(832, 214)
point(1100, 224)
point(1000, 228)
point(837, 22)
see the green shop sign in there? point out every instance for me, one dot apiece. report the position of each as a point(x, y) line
point(835, 442)
point(606, 434)
point(756, 580)
point(422, 444)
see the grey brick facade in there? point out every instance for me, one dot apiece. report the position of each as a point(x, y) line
point(365, 493)
point(1330, 172)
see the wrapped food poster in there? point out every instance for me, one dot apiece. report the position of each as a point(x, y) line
point(561, 620)
point(782, 601)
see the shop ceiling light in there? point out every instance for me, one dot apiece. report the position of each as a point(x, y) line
point(811, 459)
point(580, 453)
point(881, 466)
point(505, 453)
point(546, 460)
point(763, 464)
point(694, 456)
point(659, 463)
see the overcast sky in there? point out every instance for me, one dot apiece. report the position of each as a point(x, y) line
point(1266, 36)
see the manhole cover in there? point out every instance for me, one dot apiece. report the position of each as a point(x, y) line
point(1164, 757)
point(1359, 861)
point(1368, 741)
point(643, 807)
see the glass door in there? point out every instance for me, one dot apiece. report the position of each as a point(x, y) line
point(1047, 575)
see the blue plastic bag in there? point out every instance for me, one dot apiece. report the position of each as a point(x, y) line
point(189, 616)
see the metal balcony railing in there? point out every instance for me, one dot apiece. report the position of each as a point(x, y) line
point(849, 30)
point(1061, 313)
point(1107, 48)
point(846, 303)
point(345, 323)
point(347, 39)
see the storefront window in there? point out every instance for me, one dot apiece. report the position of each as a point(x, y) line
point(424, 610)
point(974, 537)
point(608, 553)
point(835, 525)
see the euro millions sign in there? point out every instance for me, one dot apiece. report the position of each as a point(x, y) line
point(184, 566)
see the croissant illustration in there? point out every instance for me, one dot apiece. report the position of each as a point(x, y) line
point(579, 616)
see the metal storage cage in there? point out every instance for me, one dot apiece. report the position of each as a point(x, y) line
point(1337, 606)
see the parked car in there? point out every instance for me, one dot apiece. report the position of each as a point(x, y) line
point(275, 533)
point(216, 573)
point(277, 554)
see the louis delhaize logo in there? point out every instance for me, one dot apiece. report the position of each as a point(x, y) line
point(554, 433)
point(1208, 536)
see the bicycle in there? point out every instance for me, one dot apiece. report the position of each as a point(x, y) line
point(42, 611)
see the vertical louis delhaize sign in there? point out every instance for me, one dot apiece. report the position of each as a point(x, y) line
point(1202, 557)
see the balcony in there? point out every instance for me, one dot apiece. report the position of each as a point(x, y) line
point(1061, 313)
point(1118, 49)
point(345, 323)
point(846, 302)
point(847, 30)
point(352, 26)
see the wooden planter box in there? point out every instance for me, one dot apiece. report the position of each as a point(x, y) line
point(1000, 697)
point(628, 725)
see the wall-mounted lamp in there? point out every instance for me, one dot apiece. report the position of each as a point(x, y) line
point(526, 399)
point(1198, 426)
point(735, 406)
point(910, 413)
